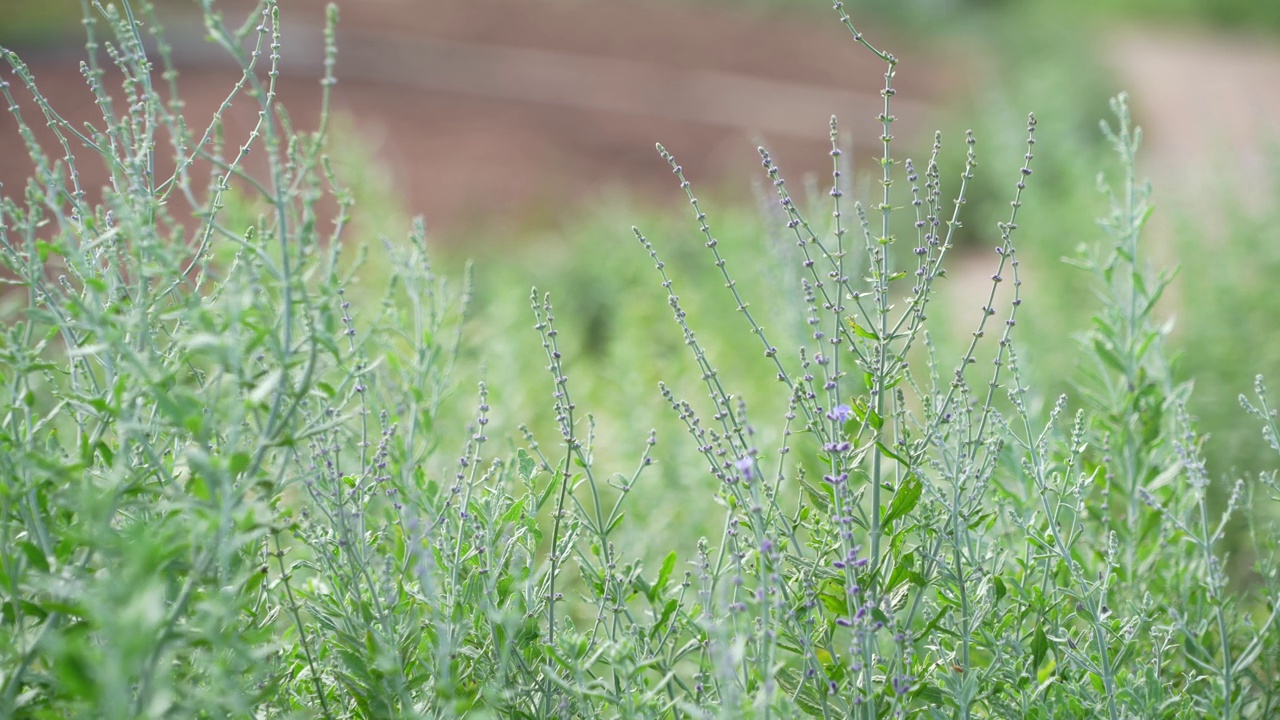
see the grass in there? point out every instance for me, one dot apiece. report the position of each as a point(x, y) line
point(252, 469)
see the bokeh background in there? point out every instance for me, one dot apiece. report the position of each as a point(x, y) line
point(524, 131)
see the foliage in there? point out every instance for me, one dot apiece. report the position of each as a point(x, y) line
point(230, 488)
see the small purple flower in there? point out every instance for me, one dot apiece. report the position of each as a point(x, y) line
point(901, 684)
point(745, 467)
point(841, 413)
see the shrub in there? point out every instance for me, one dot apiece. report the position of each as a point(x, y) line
point(226, 494)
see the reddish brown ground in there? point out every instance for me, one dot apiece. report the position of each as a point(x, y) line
point(485, 108)
point(1209, 105)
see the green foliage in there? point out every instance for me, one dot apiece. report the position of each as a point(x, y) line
point(236, 482)
point(1227, 320)
point(1226, 13)
point(32, 21)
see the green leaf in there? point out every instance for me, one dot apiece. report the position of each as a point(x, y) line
point(901, 571)
point(904, 500)
point(198, 487)
point(832, 664)
point(987, 517)
point(833, 598)
point(858, 408)
point(9, 611)
point(804, 694)
point(932, 696)
point(613, 525)
point(238, 463)
point(105, 452)
point(35, 557)
point(861, 331)
point(512, 514)
point(1039, 647)
point(884, 449)
point(255, 580)
point(821, 496)
point(43, 248)
point(667, 611)
point(1108, 356)
point(526, 468)
point(1082, 609)
point(928, 630)
point(664, 573)
point(851, 427)
point(75, 675)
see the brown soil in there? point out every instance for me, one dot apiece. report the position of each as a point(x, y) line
point(481, 108)
point(477, 109)
point(1208, 105)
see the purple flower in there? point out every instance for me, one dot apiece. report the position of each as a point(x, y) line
point(745, 467)
point(901, 684)
point(841, 413)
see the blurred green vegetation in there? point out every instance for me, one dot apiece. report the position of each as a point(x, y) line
point(1249, 14)
point(33, 22)
point(1227, 320)
point(1228, 317)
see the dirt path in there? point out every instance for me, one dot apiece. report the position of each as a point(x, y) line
point(487, 108)
point(481, 108)
point(1210, 107)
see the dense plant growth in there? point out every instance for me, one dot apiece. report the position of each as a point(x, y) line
point(233, 485)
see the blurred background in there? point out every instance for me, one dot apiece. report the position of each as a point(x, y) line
point(476, 105)
point(524, 131)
